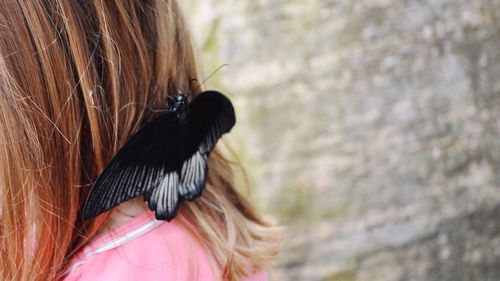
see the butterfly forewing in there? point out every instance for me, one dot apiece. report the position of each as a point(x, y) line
point(211, 116)
point(138, 166)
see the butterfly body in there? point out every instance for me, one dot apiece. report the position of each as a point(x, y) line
point(166, 161)
point(179, 105)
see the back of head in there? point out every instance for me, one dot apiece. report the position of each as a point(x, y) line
point(76, 81)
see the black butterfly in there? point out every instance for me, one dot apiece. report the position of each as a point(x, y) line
point(166, 160)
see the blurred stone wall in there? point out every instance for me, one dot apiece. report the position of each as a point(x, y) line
point(370, 128)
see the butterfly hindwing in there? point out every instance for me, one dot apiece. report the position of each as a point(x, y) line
point(164, 199)
point(194, 172)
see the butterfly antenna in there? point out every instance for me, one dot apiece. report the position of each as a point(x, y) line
point(210, 76)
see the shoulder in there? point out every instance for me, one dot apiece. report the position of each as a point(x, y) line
point(139, 247)
point(143, 248)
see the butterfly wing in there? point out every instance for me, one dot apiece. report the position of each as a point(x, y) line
point(211, 115)
point(140, 166)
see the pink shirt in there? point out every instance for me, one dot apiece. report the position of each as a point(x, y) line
point(145, 249)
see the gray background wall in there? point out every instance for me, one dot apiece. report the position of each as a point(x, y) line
point(369, 127)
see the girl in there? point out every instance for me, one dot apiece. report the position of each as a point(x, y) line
point(77, 79)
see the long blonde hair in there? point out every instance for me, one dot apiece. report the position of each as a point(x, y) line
point(76, 80)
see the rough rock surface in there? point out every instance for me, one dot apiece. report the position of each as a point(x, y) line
point(371, 128)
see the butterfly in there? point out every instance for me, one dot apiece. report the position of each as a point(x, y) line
point(166, 161)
